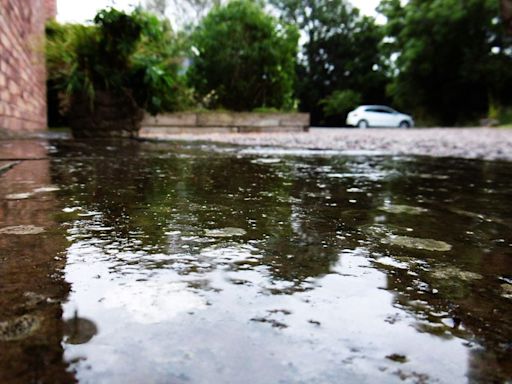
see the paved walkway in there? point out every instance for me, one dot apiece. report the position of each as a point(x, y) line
point(482, 143)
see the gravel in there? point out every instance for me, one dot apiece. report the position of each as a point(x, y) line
point(471, 143)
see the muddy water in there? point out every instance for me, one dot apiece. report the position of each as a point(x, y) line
point(126, 262)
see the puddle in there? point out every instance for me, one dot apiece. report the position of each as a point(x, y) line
point(403, 209)
point(22, 230)
point(506, 290)
point(18, 196)
point(49, 188)
point(19, 327)
point(418, 243)
point(225, 232)
point(79, 330)
point(192, 263)
point(451, 272)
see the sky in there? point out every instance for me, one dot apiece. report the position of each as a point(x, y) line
point(81, 11)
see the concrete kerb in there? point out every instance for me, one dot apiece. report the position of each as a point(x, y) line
point(223, 122)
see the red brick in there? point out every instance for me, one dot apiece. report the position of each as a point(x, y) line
point(22, 67)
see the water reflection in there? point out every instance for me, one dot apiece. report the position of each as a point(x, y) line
point(78, 330)
point(200, 263)
point(32, 260)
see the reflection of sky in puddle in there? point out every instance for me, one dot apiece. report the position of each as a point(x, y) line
point(144, 298)
point(156, 323)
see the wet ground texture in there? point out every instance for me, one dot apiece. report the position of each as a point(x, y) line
point(161, 262)
point(469, 143)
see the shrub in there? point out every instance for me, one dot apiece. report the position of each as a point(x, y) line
point(134, 56)
point(245, 59)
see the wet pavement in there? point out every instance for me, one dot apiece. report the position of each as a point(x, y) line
point(164, 262)
point(468, 143)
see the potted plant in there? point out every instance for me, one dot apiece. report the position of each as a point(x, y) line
point(108, 73)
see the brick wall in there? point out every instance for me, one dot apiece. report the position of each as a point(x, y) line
point(22, 66)
point(506, 14)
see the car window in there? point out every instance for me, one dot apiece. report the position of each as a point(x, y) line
point(378, 110)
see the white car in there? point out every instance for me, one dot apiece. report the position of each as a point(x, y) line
point(366, 116)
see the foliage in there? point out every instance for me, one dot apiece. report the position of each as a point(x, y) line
point(341, 53)
point(245, 59)
point(340, 102)
point(452, 60)
point(135, 54)
point(504, 116)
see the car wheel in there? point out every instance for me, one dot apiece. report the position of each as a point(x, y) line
point(362, 124)
point(404, 124)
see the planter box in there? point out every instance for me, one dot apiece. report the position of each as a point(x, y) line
point(223, 122)
point(218, 119)
point(172, 120)
point(109, 115)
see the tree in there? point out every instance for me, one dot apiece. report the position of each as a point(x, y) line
point(340, 53)
point(452, 60)
point(245, 59)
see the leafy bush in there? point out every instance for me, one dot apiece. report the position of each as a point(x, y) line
point(340, 102)
point(133, 54)
point(505, 116)
point(245, 59)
